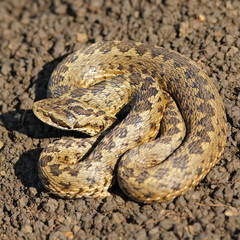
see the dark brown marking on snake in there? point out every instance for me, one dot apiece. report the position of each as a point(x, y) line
point(144, 71)
point(206, 123)
point(105, 49)
point(125, 47)
point(99, 113)
point(120, 67)
point(160, 109)
point(166, 140)
point(148, 195)
point(55, 79)
point(110, 145)
point(91, 181)
point(127, 171)
point(134, 78)
point(219, 146)
point(161, 172)
point(142, 176)
point(52, 149)
point(69, 115)
point(206, 108)
point(128, 57)
point(187, 173)
point(45, 160)
point(171, 113)
point(122, 133)
point(147, 106)
point(73, 172)
point(181, 162)
point(203, 135)
point(173, 120)
point(69, 101)
point(173, 130)
point(187, 75)
point(63, 69)
point(65, 185)
point(205, 95)
point(153, 91)
point(169, 107)
point(131, 68)
point(134, 120)
point(223, 131)
point(153, 125)
point(54, 168)
point(80, 111)
point(73, 58)
point(141, 50)
point(153, 74)
point(175, 186)
point(60, 90)
point(199, 171)
point(155, 52)
point(179, 64)
point(195, 147)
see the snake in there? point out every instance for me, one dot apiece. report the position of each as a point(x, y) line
point(154, 120)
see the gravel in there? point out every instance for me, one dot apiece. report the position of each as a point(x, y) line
point(35, 36)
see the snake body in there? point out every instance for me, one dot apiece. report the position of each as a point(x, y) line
point(174, 133)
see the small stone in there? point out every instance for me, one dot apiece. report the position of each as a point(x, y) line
point(201, 17)
point(5, 69)
point(82, 37)
point(232, 212)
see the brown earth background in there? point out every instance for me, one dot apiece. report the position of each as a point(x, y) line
point(35, 36)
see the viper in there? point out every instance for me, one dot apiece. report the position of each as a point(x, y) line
point(173, 134)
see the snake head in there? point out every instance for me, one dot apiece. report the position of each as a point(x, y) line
point(71, 114)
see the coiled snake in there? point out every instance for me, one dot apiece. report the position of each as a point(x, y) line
point(165, 91)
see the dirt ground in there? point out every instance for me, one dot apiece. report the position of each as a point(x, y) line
point(35, 36)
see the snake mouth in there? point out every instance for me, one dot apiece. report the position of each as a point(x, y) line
point(58, 121)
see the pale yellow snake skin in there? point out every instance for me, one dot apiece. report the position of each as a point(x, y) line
point(174, 133)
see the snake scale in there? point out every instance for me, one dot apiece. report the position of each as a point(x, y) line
point(173, 134)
